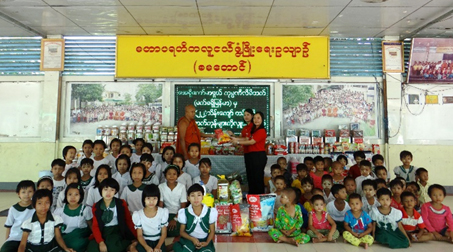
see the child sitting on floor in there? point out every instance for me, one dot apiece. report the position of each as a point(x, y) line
point(321, 226)
point(337, 173)
point(302, 172)
point(357, 223)
point(275, 171)
point(369, 200)
point(197, 224)
point(388, 228)
point(289, 220)
point(412, 220)
point(437, 216)
point(280, 185)
point(338, 208)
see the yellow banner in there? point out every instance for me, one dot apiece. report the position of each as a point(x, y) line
point(222, 57)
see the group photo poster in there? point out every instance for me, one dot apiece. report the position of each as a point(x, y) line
point(326, 106)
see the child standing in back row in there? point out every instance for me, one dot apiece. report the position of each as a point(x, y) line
point(406, 171)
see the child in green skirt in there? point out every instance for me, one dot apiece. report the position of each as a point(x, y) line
point(197, 224)
point(388, 228)
point(289, 219)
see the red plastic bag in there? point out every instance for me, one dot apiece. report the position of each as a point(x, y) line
point(221, 136)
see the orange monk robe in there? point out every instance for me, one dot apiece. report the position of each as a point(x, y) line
point(192, 134)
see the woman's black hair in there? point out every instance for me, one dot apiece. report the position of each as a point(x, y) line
point(181, 156)
point(195, 188)
point(206, 161)
point(109, 182)
point(109, 173)
point(66, 149)
point(254, 129)
point(115, 140)
point(166, 149)
point(39, 194)
point(74, 170)
point(250, 111)
point(174, 167)
point(73, 186)
point(436, 186)
point(101, 142)
point(126, 146)
point(125, 157)
point(141, 166)
point(150, 191)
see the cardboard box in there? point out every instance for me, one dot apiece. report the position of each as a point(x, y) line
point(329, 133)
point(330, 140)
point(316, 133)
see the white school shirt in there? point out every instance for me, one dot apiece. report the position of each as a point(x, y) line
point(60, 199)
point(135, 158)
point(173, 198)
point(111, 160)
point(154, 165)
point(97, 163)
point(211, 185)
point(358, 183)
point(133, 196)
point(160, 168)
point(58, 186)
point(16, 216)
point(123, 180)
point(74, 219)
point(198, 232)
point(334, 213)
point(37, 233)
point(69, 166)
point(151, 227)
point(192, 169)
point(367, 207)
point(272, 187)
point(185, 179)
point(401, 172)
point(382, 220)
point(329, 198)
point(93, 196)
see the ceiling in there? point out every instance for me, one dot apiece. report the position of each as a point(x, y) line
point(336, 18)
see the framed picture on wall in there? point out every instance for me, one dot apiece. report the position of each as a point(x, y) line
point(52, 55)
point(392, 57)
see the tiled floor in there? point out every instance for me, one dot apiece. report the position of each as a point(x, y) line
point(262, 243)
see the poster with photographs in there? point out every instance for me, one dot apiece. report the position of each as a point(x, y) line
point(431, 61)
point(108, 104)
point(326, 106)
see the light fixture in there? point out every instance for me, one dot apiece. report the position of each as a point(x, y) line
point(374, 1)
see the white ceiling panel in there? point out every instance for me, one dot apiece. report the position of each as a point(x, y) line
point(240, 3)
point(445, 3)
point(284, 31)
point(82, 2)
point(16, 32)
point(123, 30)
point(302, 17)
point(22, 3)
point(214, 30)
point(390, 3)
point(159, 2)
point(98, 15)
point(234, 17)
point(61, 30)
point(165, 15)
point(360, 31)
point(311, 3)
point(37, 16)
point(371, 17)
point(178, 30)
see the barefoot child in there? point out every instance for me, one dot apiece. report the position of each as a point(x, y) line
point(357, 224)
point(321, 226)
point(289, 220)
point(369, 200)
point(338, 208)
point(387, 226)
point(437, 216)
point(197, 224)
point(412, 221)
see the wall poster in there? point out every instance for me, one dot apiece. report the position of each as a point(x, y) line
point(93, 104)
point(325, 106)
